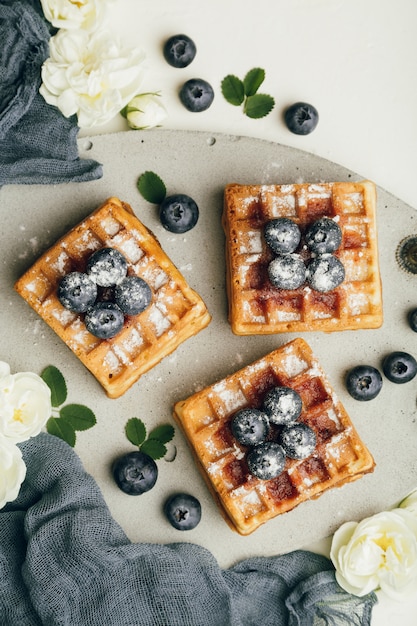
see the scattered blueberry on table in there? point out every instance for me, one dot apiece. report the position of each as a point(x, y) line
point(183, 511)
point(364, 382)
point(179, 50)
point(196, 95)
point(301, 118)
point(178, 213)
point(135, 473)
point(399, 367)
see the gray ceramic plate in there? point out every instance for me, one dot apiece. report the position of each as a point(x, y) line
point(200, 165)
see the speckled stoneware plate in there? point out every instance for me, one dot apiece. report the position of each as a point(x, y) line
point(200, 164)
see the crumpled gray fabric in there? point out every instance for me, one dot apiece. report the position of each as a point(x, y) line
point(65, 561)
point(37, 143)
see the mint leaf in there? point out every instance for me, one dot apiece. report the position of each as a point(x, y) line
point(62, 429)
point(253, 80)
point(233, 90)
point(78, 416)
point(152, 187)
point(156, 449)
point(135, 431)
point(259, 105)
point(162, 433)
point(56, 383)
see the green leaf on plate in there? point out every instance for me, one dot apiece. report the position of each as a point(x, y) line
point(135, 431)
point(56, 383)
point(152, 187)
point(259, 105)
point(78, 416)
point(156, 449)
point(233, 90)
point(253, 80)
point(162, 433)
point(62, 429)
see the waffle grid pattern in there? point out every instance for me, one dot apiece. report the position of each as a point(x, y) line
point(255, 306)
point(339, 457)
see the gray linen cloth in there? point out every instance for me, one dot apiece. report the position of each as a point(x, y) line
point(37, 143)
point(65, 561)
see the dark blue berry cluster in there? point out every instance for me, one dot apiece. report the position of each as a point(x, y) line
point(287, 270)
point(104, 293)
point(273, 432)
point(364, 382)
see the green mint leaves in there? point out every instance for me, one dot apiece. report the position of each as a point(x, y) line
point(153, 443)
point(71, 417)
point(245, 92)
point(151, 187)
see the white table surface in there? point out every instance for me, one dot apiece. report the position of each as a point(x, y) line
point(355, 60)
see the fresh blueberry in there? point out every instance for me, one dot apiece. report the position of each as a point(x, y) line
point(323, 235)
point(282, 235)
point(287, 271)
point(77, 292)
point(183, 511)
point(267, 460)
point(107, 267)
point(399, 367)
point(363, 382)
point(325, 273)
point(301, 118)
point(135, 473)
point(104, 320)
point(250, 426)
point(196, 95)
point(178, 213)
point(282, 405)
point(412, 320)
point(298, 440)
point(133, 295)
point(179, 50)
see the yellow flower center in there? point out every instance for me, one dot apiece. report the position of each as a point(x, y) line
point(18, 415)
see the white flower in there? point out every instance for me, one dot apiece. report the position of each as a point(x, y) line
point(25, 404)
point(410, 502)
point(69, 14)
point(145, 111)
point(12, 471)
point(378, 553)
point(90, 75)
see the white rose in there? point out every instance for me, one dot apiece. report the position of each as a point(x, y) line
point(410, 502)
point(145, 111)
point(378, 553)
point(90, 75)
point(25, 405)
point(68, 14)
point(12, 471)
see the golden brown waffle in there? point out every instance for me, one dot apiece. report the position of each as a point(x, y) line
point(255, 306)
point(175, 313)
point(247, 502)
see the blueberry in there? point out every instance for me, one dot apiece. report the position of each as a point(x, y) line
point(107, 267)
point(287, 271)
point(399, 367)
point(364, 382)
point(323, 235)
point(301, 118)
point(196, 95)
point(179, 50)
point(325, 273)
point(178, 213)
point(250, 426)
point(267, 460)
point(298, 440)
point(133, 295)
point(135, 473)
point(77, 292)
point(183, 511)
point(104, 320)
point(412, 320)
point(282, 235)
point(282, 405)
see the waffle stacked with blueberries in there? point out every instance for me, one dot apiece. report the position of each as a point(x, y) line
point(302, 257)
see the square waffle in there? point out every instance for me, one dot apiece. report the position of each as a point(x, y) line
point(255, 306)
point(175, 313)
point(246, 501)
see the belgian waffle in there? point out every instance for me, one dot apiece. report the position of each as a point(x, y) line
point(175, 313)
point(255, 306)
point(246, 501)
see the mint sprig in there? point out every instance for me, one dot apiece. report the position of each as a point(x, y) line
point(245, 92)
point(68, 418)
point(151, 187)
point(153, 443)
